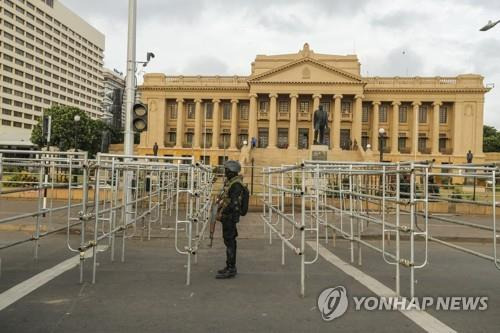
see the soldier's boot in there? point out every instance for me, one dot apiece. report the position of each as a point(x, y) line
point(230, 272)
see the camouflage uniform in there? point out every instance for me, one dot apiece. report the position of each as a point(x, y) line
point(229, 215)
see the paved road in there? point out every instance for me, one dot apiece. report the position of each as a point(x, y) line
point(147, 293)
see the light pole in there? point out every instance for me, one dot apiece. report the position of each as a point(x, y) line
point(489, 25)
point(76, 118)
point(381, 135)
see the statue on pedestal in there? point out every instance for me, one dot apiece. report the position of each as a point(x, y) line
point(320, 124)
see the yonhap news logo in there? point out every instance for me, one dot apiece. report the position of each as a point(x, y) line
point(333, 303)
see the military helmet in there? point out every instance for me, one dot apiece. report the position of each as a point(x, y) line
point(233, 166)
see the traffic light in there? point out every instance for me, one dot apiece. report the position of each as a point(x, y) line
point(140, 117)
point(46, 128)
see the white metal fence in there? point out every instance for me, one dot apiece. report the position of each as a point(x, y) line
point(113, 196)
point(393, 199)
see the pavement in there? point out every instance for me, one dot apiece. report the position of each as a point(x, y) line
point(148, 293)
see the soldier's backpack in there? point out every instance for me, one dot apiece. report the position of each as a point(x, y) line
point(244, 196)
point(244, 200)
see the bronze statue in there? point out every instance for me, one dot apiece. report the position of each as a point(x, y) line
point(320, 124)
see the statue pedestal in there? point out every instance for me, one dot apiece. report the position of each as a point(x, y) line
point(319, 152)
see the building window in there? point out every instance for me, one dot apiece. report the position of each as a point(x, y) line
point(207, 140)
point(303, 138)
point(223, 159)
point(283, 107)
point(443, 115)
point(242, 138)
point(403, 114)
point(304, 106)
point(346, 108)
point(263, 139)
point(422, 143)
point(190, 110)
point(225, 139)
point(226, 111)
point(326, 106)
point(382, 116)
point(442, 142)
point(209, 110)
point(189, 138)
point(402, 141)
point(422, 114)
point(366, 111)
point(172, 110)
point(283, 138)
point(172, 137)
point(364, 140)
point(263, 106)
point(243, 111)
point(205, 159)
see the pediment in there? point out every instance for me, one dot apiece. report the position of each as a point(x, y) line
point(306, 70)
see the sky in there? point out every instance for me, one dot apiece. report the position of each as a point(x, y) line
point(390, 38)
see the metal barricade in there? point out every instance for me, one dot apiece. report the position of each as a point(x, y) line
point(118, 196)
point(390, 199)
point(40, 175)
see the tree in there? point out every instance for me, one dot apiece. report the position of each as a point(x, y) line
point(491, 139)
point(66, 134)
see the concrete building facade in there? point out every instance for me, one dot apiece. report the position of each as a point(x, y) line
point(113, 104)
point(213, 117)
point(48, 56)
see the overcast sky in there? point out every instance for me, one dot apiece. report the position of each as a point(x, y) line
point(425, 37)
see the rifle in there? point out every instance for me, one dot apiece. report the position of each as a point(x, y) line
point(213, 214)
point(213, 221)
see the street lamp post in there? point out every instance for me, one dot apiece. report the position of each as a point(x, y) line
point(381, 135)
point(76, 118)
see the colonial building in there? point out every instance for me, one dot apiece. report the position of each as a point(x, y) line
point(267, 115)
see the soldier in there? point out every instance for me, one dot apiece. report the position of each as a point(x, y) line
point(155, 149)
point(229, 214)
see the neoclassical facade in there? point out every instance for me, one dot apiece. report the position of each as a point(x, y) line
point(212, 117)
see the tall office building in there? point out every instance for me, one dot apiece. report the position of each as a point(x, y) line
point(48, 56)
point(113, 101)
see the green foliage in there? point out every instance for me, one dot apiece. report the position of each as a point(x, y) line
point(66, 133)
point(491, 139)
point(23, 179)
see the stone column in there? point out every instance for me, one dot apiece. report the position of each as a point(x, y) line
point(234, 124)
point(356, 119)
point(197, 124)
point(394, 130)
point(215, 124)
point(180, 123)
point(479, 116)
point(457, 140)
point(414, 128)
point(316, 99)
point(156, 124)
point(252, 118)
point(292, 131)
point(335, 132)
point(375, 126)
point(273, 125)
point(435, 129)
